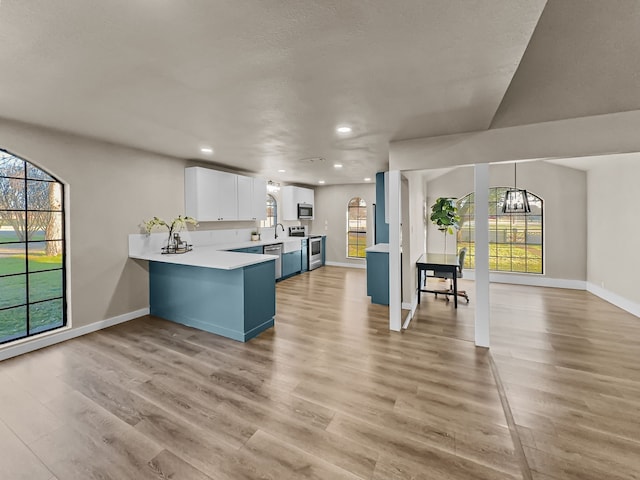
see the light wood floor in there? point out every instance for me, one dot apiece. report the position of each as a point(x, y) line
point(330, 393)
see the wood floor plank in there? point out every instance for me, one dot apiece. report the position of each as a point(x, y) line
point(166, 465)
point(26, 416)
point(330, 393)
point(112, 438)
point(285, 461)
point(17, 461)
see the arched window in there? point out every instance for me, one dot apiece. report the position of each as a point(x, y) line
point(32, 250)
point(272, 212)
point(515, 239)
point(356, 228)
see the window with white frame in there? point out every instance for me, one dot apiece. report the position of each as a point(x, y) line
point(515, 239)
point(356, 228)
point(272, 213)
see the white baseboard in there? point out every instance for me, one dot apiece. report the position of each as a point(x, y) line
point(531, 280)
point(347, 265)
point(51, 338)
point(615, 299)
point(412, 310)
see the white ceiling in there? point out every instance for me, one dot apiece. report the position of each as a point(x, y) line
point(582, 61)
point(264, 82)
point(596, 161)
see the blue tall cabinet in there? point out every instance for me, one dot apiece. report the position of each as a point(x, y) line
point(378, 273)
point(382, 228)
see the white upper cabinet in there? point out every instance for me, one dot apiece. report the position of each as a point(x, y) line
point(245, 197)
point(227, 196)
point(200, 198)
point(305, 195)
point(212, 196)
point(259, 199)
point(291, 197)
point(252, 198)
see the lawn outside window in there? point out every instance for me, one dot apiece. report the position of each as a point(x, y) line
point(356, 228)
point(32, 250)
point(515, 239)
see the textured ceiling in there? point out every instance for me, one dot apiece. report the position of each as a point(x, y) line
point(598, 161)
point(264, 82)
point(582, 60)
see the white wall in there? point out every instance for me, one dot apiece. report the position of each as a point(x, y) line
point(111, 190)
point(564, 191)
point(614, 229)
point(416, 204)
point(405, 217)
point(330, 218)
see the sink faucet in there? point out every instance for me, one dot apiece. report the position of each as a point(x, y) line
point(275, 235)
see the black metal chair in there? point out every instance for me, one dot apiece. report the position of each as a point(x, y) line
point(448, 275)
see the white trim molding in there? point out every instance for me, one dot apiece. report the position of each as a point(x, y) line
point(412, 311)
point(615, 299)
point(51, 338)
point(346, 265)
point(531, 280)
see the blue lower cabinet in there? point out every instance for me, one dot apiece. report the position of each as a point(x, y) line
point(378, 277)
point(240, 250)
point(237, 304)
point(291, 263)
point(305, 256)
point(324, 249)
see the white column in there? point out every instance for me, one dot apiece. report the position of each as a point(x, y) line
point(395, 299)
point(482, 326)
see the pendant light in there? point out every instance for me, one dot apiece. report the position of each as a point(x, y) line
point(515, 200)
point(273, 187)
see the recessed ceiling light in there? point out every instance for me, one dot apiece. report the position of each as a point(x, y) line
point(344, 129)
point(207, 150)
point(368, 179)
point(282, 170)
point(337, 165)
point(321, 182)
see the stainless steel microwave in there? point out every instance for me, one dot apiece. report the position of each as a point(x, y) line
point(305, 211)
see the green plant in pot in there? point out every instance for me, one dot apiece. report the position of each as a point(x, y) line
point(444, 215)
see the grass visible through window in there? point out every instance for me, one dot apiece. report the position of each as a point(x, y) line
point(46, 284)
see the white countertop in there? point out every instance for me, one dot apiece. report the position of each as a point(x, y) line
point(210, 257)
point(378, 247)
point(259, 243)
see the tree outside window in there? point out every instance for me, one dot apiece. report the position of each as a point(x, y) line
point(32, 273)
point(356, 228)
point(515, 239)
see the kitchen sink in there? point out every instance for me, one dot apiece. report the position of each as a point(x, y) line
point(291, 245)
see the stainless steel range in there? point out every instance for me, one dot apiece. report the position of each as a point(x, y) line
point(315, 245)
point(315, 252)
point(298, 231)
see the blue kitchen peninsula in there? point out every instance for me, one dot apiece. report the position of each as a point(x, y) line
point(227, 293)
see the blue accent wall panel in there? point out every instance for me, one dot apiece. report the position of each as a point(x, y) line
point(237, 304)
point(382, 228)
point(378, 277)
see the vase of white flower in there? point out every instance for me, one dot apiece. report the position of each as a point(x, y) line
point(174, 243)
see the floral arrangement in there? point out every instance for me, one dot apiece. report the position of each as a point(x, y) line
point(176, 225)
